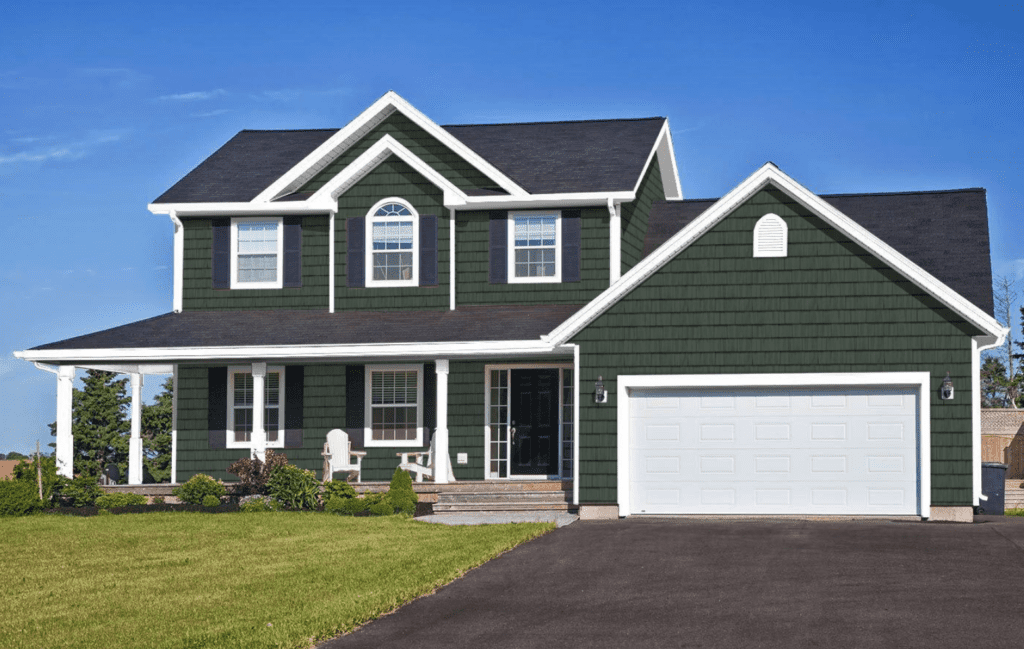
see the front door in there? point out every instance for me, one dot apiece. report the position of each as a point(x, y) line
point(534, 420)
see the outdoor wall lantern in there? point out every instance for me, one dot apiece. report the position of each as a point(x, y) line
point(600, 394)
point(946, 391)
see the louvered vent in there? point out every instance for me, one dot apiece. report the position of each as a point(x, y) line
point(770, 236)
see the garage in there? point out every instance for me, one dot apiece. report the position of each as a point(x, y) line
point(771, 449)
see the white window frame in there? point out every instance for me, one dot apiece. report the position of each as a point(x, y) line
point(368, 440)
point(511, 273)
point(247, 369)
point(759, 250)
point(370, 220)
point(279, 283)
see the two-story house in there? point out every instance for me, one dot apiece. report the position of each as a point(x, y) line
point(541, 302)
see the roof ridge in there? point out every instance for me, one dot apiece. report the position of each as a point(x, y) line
point(560, 121)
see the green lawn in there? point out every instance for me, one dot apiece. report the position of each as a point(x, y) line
point(279, 579)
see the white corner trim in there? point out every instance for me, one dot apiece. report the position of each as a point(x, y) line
point(666, 162)
point(331, 279)
point(919, 380)
point(979, 344)
point(576, 425)
point(615, 241)
point(451, 258)
point(769, 173)
point(338, 143)
point(178, 262)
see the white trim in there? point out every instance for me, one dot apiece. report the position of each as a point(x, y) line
point(979, 344)
point(511, 266)
point(769, 173)
point(414, 280)
point(576, 425)
point(174, 426)
point(240, 209)
point(541, 201)
point(763, 248)
point(230, 431)
point(341, 141)
point(451, 258)
point(178, 263)
point(64, 449)
point(919, 380)
point(669, 172)
point(368, 441)
point(442, 459)
point(277, 283)
point(331, 279)
point(615, 241)
point(135, 453)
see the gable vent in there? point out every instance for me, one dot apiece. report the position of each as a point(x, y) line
point(770, 236)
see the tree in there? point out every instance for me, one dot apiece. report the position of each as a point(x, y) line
point(156, 433)
point(1011, 380)
point(993, 376)
point(13, 455)
point(99, 423)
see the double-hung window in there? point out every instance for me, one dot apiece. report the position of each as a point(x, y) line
point(535, 253)
point(394, 405)
point(240, 407)
point(392, 244)
point(257, 251)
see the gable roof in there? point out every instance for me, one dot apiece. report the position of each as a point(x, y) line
point(943, 232)
point(566, 157)
point(771, 174)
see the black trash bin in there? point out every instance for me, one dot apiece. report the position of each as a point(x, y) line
point(993, 485)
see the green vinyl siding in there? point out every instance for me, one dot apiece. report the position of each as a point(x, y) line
point(635, 215)
point(392, 178)
point(322, 410)
point(198, 293)
point(472, 284)
point(449, 164)
point(830, 306)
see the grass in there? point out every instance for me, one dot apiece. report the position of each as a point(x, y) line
point(280, 579)
point(1014, 512)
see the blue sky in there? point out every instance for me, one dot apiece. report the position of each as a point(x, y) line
point(103, 105)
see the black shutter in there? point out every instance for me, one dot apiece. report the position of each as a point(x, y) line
point(292, 252)
point(499, 248)
point(222, 253)
point(571, 229)
point(217, 406)
point(429, 402)
point(356, 255)
point(294, 380)
point(354, 395)
point(428, 250)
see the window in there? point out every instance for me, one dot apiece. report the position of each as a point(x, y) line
point(394, 396)
point(392, 244)
point(257, 248)
point(536, 253)
point(770, 236)
point(240, 403)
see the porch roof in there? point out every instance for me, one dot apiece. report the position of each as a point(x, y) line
point(261, 328)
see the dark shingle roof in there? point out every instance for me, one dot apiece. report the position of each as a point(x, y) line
point(246, 165)
point(943, 232)
point(555, 157)
point(244, 328)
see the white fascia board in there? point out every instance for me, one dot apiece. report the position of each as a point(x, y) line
point(354, 131)
point(250, 209)
point(580, 199)
point(286, 352)
point(666, 161)
point(769, 173)
point(381, 150)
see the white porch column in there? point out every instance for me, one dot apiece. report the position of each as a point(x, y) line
point(174, 429)
point(441, 458)
point(259, 433)
point(135, 443)
point(65, 452)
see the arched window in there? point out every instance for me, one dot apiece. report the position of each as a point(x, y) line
point(771, 237)
point(392, 244)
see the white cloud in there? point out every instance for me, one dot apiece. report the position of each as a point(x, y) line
point(63, 150)
point(211, 113)
point(199, 95)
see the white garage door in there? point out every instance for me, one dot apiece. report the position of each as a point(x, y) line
point(774, 451)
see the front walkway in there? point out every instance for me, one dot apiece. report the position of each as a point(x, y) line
point(704, 583)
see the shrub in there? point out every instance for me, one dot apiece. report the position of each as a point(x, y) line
point(350, 506)
point(211, 501)
point(401, 494)
point(157, 500)
point(81, 492)
point(293, 487)
point(199, 487)
point(254, 474)
point(18, 498)
point(338, 489)
point(382, 508)
point(257, 505)
point(25, 471)
point(106, 501)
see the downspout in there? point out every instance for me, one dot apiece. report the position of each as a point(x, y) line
point(614, 241)
point(330, 265)
point(978, 345)
point(451, 258)
point(179, 259)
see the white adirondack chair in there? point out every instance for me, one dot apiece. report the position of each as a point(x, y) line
point(338, 456)
point(422, 468)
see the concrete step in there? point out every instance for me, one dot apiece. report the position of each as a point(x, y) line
point(450, 508)
point(504, 497)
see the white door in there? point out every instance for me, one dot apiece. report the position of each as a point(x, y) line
point(774, 451)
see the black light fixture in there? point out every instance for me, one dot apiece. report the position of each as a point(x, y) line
point(946, 391)
point(600, 394)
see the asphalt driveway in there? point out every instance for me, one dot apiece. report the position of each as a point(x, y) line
point(701, 583)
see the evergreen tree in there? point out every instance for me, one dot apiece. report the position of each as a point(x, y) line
point(156, 433)
point(993, 378)
point(99, 423)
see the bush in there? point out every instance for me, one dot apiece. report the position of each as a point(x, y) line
point(81, 492)
point(25, 471)
point(382, 508)
point(106, 501)
point(211, 501)
point(199, 487)
point(257, 505)
point(254, 474)
point(18, 498)
point(157, 500)
point(401, 494)
point(338, 489)
point(294, 488)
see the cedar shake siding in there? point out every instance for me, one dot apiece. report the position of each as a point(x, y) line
point(635, 216)
point(829, 306)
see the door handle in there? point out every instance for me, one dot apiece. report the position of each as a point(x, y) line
point(512, 430)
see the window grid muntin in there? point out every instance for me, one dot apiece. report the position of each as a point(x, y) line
point(392, 242)
point(567, 421)
point(535, 239)
point(393, 415)
point(498, 429)
point(242, 406)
